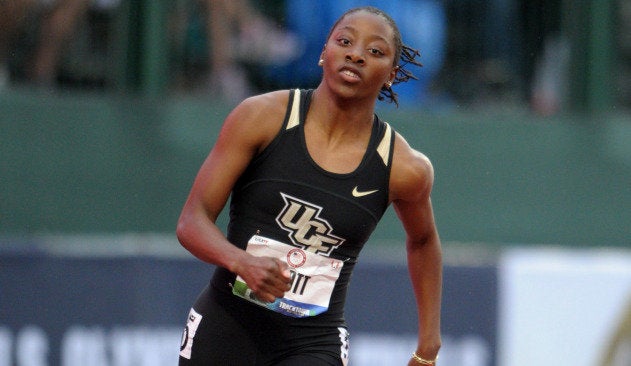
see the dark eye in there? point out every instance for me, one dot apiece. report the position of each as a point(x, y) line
point(375, 51)
point(344, 41)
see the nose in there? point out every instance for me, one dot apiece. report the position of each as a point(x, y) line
point(355, 56)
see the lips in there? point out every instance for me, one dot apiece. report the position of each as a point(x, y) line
point(350, 73)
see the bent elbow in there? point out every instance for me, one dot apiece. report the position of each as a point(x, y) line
point(183, 231)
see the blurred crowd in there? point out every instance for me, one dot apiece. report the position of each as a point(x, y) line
point(35, 35)
point(474, 51)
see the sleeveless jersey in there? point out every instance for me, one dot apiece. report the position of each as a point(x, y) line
point(285, 196)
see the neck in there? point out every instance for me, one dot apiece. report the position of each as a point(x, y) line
point(349, 114)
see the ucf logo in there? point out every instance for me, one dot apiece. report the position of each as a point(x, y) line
point(305, 226)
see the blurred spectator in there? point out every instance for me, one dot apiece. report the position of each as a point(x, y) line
point(484, 54)
point(56, 27)
point(34, 35)
point(12, 16)
point(549, 85)
point(239, 34)
point(624, 45)
point(547, 56)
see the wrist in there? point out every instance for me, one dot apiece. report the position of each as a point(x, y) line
point(237, 261)
point(424, 361)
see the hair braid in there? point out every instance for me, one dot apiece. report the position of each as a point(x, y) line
point(408, 56)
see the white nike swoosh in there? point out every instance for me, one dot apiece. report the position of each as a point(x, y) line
point(357, 193)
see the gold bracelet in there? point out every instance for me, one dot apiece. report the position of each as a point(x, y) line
point(423, 361)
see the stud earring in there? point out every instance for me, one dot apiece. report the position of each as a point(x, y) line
point(321, 62)
point(388, 84)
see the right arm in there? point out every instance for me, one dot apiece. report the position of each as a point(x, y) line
point(246, 132)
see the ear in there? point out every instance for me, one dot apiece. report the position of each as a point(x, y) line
point(393, 73)
point(322, 53)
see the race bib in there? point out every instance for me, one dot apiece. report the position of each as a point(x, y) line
point(313, 278)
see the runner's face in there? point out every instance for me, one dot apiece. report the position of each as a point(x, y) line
point(359, 55)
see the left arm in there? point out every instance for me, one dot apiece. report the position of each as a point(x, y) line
point(411, 184)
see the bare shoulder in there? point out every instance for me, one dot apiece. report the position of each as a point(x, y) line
point(412, 175)
point(262, 109)
point(257, 119)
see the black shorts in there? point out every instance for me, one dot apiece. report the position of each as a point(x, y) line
point(225, 330)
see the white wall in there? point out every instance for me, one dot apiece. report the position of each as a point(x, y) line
point(560, 307)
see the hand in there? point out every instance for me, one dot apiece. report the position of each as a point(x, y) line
point(269, 278)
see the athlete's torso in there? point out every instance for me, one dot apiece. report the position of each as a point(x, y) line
point(284, 195)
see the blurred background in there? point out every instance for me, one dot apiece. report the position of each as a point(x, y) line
point(108, 108)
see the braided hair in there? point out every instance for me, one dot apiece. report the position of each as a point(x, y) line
point(404, 54)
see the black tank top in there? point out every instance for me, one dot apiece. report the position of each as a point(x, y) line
point(284, 195)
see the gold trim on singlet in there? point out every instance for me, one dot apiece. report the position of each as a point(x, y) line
point(384, 146)
point(294, 115)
